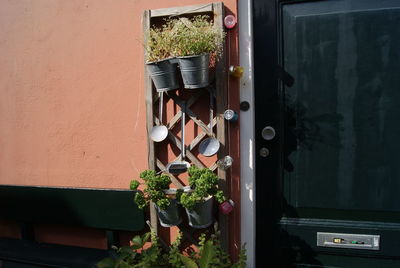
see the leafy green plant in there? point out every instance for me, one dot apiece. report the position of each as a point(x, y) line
point(204, 183)
point(155, 184)
point(174, 256)
point(194, 36)
point(210, 255)
point(241, 263)
point(135, 256)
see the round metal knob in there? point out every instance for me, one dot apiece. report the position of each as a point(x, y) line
point(268, 133)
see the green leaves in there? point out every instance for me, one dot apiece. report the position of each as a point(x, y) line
point(106, 263)
point(140, 200)
point(207, 255)
point(220, 196)
point(155, 184)
point(134, 184)
point(189, 263)
point(210, 255)
point(241, 263)
point(204, 183)
point(139, 241)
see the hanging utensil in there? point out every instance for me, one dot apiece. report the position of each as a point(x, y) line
point(160, 132)
point(210, 146)
point(180, 166)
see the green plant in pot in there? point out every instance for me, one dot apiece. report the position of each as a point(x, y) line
point(199, 201)
point(157, 190)
point(193, 42)
point(162, 70)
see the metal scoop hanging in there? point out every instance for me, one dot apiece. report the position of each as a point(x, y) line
point(180, 166)
point(160, 132)
point(210, 146)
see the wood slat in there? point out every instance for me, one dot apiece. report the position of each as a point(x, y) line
point(189, 103)
point(191, 115)
point(221, 99)
point(148, 87)
point(199, 137)
point(176, 11)
point(214, 167)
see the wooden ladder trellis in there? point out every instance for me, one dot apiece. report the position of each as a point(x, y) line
point(216, 12)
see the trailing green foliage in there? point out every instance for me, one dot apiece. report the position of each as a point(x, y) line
point(210, 255)
point(204, 183)
point(135, 256)
point(134, 185)
point(242, 258)
point(155, 184)
point(174, 256)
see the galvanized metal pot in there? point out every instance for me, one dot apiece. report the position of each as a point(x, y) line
point(170, 216)
point(202, 215)
point(164, 75)
point(194, 70)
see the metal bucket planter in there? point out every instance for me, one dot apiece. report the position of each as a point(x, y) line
point(202, 215)
point(164, 75)
point(194, 70)
point(170, 216)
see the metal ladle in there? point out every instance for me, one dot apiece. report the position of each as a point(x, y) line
point(180, 166)
point(160, 132)
point(210, 146)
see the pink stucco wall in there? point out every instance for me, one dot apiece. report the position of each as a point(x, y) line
point(71, 84)
point(72, 108)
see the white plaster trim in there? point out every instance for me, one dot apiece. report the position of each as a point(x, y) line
point(247, 144)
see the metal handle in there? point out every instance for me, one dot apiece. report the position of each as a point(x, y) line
point(160, 107)
point(211, 112)
point(183, 149)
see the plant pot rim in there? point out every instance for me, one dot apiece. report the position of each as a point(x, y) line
point(159, 61)
point(205, 199)
point(192, 56)
point(186, 189)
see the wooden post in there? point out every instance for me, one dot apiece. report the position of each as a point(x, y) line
point(221, 99)
point(148, 87)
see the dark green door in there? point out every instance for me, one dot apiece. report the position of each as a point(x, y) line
point(327, 81)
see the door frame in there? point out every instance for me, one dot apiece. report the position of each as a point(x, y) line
point(247, 144)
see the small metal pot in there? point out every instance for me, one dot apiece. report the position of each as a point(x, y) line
point(170, 216)
point(164, 75)
point(194, 70)
point(202, 215)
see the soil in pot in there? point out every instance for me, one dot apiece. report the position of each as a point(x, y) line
point(171, 215)
point(194, 70)
point(163, 74)
point(202, 215)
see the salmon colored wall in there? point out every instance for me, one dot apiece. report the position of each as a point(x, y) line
point(72, 108)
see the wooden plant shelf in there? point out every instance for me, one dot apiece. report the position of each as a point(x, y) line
point(216, 13)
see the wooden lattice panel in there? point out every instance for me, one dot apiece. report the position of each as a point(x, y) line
point(216, 12)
